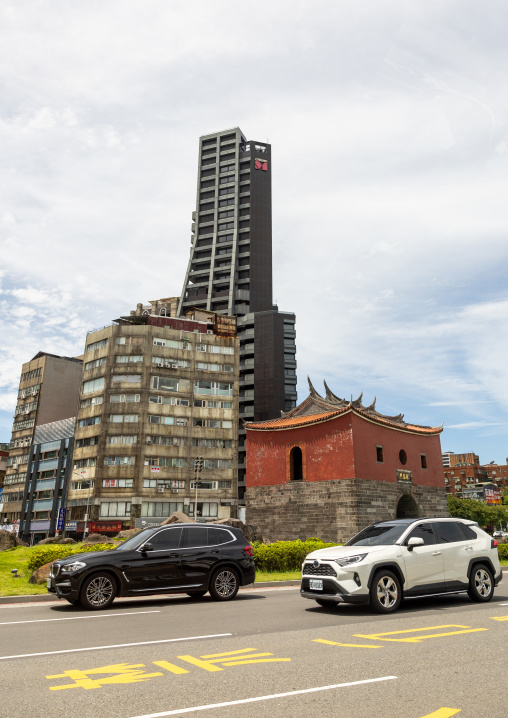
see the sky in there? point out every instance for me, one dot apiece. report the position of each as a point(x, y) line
point(388, 126)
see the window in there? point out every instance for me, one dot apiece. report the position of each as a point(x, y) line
point(213, 443)
point(379, 454)
point(94, 401)
point(212, 387)
point(225, 226)
point(227, 168)
point(166, 540)
point(115, 508)
point(118, 483)
point(83, 485)
point(423, 461)
point(402, 457)
point(95, 364)
point(128, 359)
point(173, 400)
point(423, 531)
point(166, 461)
point(226, 190)
point(85, 463)
point(90, 441)
point(205, 366)
point(121, 398)
point(205, 508)
point(93, 385)
point(127, 378)
point(213, 423)
point(160, 508)
point(171, 343)
point(217, 464)
point(121, 418)
point(97, 345)
point(32, 374)
point(165, 383)
point(90, 421)
point(122, 439)
point(225, 238)
point(166, 440)
point(225, 202)
point(119, 460)
point(211, 404)
point(227, 213)
point(156, 419)
point(447, 532)
point(130, 340)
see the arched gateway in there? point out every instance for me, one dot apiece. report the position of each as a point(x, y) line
point(407, 508)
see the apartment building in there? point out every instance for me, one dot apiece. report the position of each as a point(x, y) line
point(230, 272)
point(158, 394)
point(48, 391)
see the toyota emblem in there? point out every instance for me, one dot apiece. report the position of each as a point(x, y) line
point(316, 564)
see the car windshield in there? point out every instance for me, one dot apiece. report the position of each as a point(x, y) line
point(134, 542)
point(378, 535)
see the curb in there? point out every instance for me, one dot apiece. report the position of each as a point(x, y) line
point(47, 598)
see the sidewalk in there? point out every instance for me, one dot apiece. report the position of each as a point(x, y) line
point(48, 597)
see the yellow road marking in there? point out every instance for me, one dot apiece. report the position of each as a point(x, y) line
point(418, 639)
point(443, 713)
point(347, 645)
point(170, 667)
point(125, 673)
point(259, 660)
point(229, 653)
point(499, 618)
point(200, 664)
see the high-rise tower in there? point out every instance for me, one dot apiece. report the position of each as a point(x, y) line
point(230, 272)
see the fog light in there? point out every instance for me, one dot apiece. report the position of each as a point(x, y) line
point(357, 579)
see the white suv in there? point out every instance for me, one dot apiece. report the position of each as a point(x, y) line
point(404, 558)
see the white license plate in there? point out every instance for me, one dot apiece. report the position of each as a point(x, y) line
point(48, 583)
point(315, 584)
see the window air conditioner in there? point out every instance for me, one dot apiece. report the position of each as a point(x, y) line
point(160, 489)
point(174, 491)
point(209, 331)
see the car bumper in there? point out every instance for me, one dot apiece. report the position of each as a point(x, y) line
point(62, 589)
point(334, 591)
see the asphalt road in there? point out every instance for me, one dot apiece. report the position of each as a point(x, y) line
point(267, 651)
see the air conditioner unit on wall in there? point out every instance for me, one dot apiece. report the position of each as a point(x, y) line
point(160, 489)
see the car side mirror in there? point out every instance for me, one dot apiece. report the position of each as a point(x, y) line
point(146, 547)
point(414, 541)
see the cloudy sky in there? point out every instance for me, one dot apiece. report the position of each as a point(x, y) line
point(388, 125)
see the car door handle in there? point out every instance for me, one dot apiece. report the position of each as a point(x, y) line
point(468, 548)
point(436, 553)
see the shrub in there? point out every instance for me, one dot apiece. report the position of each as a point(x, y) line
point(285, 555)
point(42, 556)
point(502, 550)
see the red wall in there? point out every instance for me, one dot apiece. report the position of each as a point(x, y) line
point(343, 448)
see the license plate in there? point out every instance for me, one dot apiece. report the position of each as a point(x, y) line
point(48, 583)
point(315, 584)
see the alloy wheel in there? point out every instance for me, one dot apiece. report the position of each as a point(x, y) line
point(99, 591)
point(483, 583)
point(387, 592)
point(225, 583)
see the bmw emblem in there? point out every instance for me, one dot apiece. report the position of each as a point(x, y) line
point(316, 564)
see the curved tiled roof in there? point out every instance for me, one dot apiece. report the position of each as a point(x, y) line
point(311, 411)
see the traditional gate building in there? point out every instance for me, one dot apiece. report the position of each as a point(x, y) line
point(331, 466)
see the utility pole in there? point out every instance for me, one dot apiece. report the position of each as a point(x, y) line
point(198, 465)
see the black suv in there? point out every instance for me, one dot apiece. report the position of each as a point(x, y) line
point(177, 558)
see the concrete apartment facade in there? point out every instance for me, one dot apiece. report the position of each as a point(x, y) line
point(230, 272)
point(157, 394)
point(48, 391)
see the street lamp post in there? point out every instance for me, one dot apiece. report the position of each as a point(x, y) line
point(198, 465)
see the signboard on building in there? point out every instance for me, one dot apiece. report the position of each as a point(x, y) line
point(60, 520)
point(493, 495)
point(101, 527)
point(404, 476)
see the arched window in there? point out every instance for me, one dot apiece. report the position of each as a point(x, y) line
point(296, 464)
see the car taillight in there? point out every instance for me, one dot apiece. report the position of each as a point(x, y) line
point(249, 550)
point(493, 543)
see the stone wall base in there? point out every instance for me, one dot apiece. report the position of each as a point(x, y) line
point(334, 510)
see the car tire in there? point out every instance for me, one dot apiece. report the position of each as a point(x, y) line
point(481, 584)
point(98, 592)
point(196, 594)
point(385, 592)
point(326, 604)
point(224, 584)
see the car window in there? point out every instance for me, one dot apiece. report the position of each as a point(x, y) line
point(447, 532)
point(166, 539)
point(468, 531)
point(195, 537)
point(423, 531)
point(223, 536)
point(378, 535)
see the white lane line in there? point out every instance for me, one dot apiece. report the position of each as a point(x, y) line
point(117, 645)
point(500, 604)
point(76, 618)
point(264, 698)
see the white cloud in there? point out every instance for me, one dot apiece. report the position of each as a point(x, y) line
point(387, 122)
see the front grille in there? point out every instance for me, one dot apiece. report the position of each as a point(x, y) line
point(322, 570)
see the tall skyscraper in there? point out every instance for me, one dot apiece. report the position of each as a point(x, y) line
point(230, 272)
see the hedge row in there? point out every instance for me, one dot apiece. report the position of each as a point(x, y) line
point(42, 556)
point(502, 550)
point(285, 555)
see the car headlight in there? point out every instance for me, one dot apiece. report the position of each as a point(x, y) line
point(350, 560)
point(72, 567)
